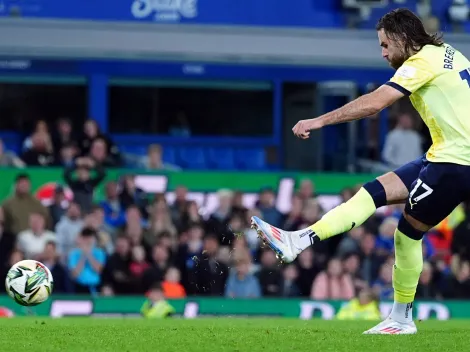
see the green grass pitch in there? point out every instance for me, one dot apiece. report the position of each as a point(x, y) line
point(221, 334)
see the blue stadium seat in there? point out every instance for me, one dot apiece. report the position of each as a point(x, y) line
point(192, 158)
point(251, 158)
point(139, 150)
point(12, 142)
point(221, 158)
point(169, 155)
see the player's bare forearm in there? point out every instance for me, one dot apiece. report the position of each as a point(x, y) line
point(357, 109)
point(364, 106)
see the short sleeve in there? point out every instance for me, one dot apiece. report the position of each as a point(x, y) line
point(412, 75)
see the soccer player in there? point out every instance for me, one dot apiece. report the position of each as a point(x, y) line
point(436, 77)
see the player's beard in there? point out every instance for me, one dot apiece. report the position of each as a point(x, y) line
point(398, 61)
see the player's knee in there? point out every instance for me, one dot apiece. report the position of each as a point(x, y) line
point(377, 192)
point(410, 228)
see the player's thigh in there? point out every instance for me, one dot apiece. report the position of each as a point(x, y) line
point(397, 184)
point(436, 192)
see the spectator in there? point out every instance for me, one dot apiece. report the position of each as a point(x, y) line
point(117, 272)
point(42, 130)
point(289, 286)
point(385, 240)
point(188, 250)
point(346, 194)
point(269, 276)
point(383, 285)
point(266, 204)
point(7, 241)
point(14, 257)
point(172, 287)
point(92, 133)
point(63, 135)
point(190, 215)
point(218, 220)
point(95, 220)
point(241, 283)
point(160, 219)
point(67, 230)
point(40, 153)
point(306, 190)
point(156, 272)
point(130, 194)
point(351, 242)
point(236, 225)
point(179, 205)
point(311, 212)
point(459, 285)
point(84, 185)
point(86, 263)
point(33, 240)
point(59, 205)
point(238, 208)
point(135, 231)
point(99, 154)
point(66, 155)
point(351, 264)
point(250, 234)
point(460, 244)
point(307, 271)
point(154, 161)
point(294, 218)
point(50, 258)
point(8, 158)
point(114, 214)
point(208, 276)
point(333, 283)
point(370, 261)
point(18, 207)
point(426, 289)
point(402, 144)
point(138, 263)
point(169, 242)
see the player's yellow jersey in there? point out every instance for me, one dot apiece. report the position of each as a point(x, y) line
point(437, 79)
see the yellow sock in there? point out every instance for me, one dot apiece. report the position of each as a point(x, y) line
point(345, 216)
point(407, 268)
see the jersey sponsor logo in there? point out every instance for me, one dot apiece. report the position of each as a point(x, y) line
point(406, 71)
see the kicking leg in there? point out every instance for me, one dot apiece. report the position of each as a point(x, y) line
point(388, 188)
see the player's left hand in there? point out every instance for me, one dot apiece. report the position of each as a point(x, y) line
point(303, 127)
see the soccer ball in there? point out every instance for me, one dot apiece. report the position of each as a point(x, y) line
point(29, 282)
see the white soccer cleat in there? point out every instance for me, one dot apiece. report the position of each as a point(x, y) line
point(392, 327)
point(279, 240)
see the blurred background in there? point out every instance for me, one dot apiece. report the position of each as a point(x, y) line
point(144, 134)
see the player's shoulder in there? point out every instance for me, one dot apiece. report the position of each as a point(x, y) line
point(428, 55)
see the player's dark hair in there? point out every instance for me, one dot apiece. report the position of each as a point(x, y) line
point(403, 24)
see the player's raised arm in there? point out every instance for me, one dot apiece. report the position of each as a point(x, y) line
point(366, 105)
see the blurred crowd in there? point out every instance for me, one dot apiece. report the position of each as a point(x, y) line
point(132, 240)
point(62, 146)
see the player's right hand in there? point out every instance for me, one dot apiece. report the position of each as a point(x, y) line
point(303, 127)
